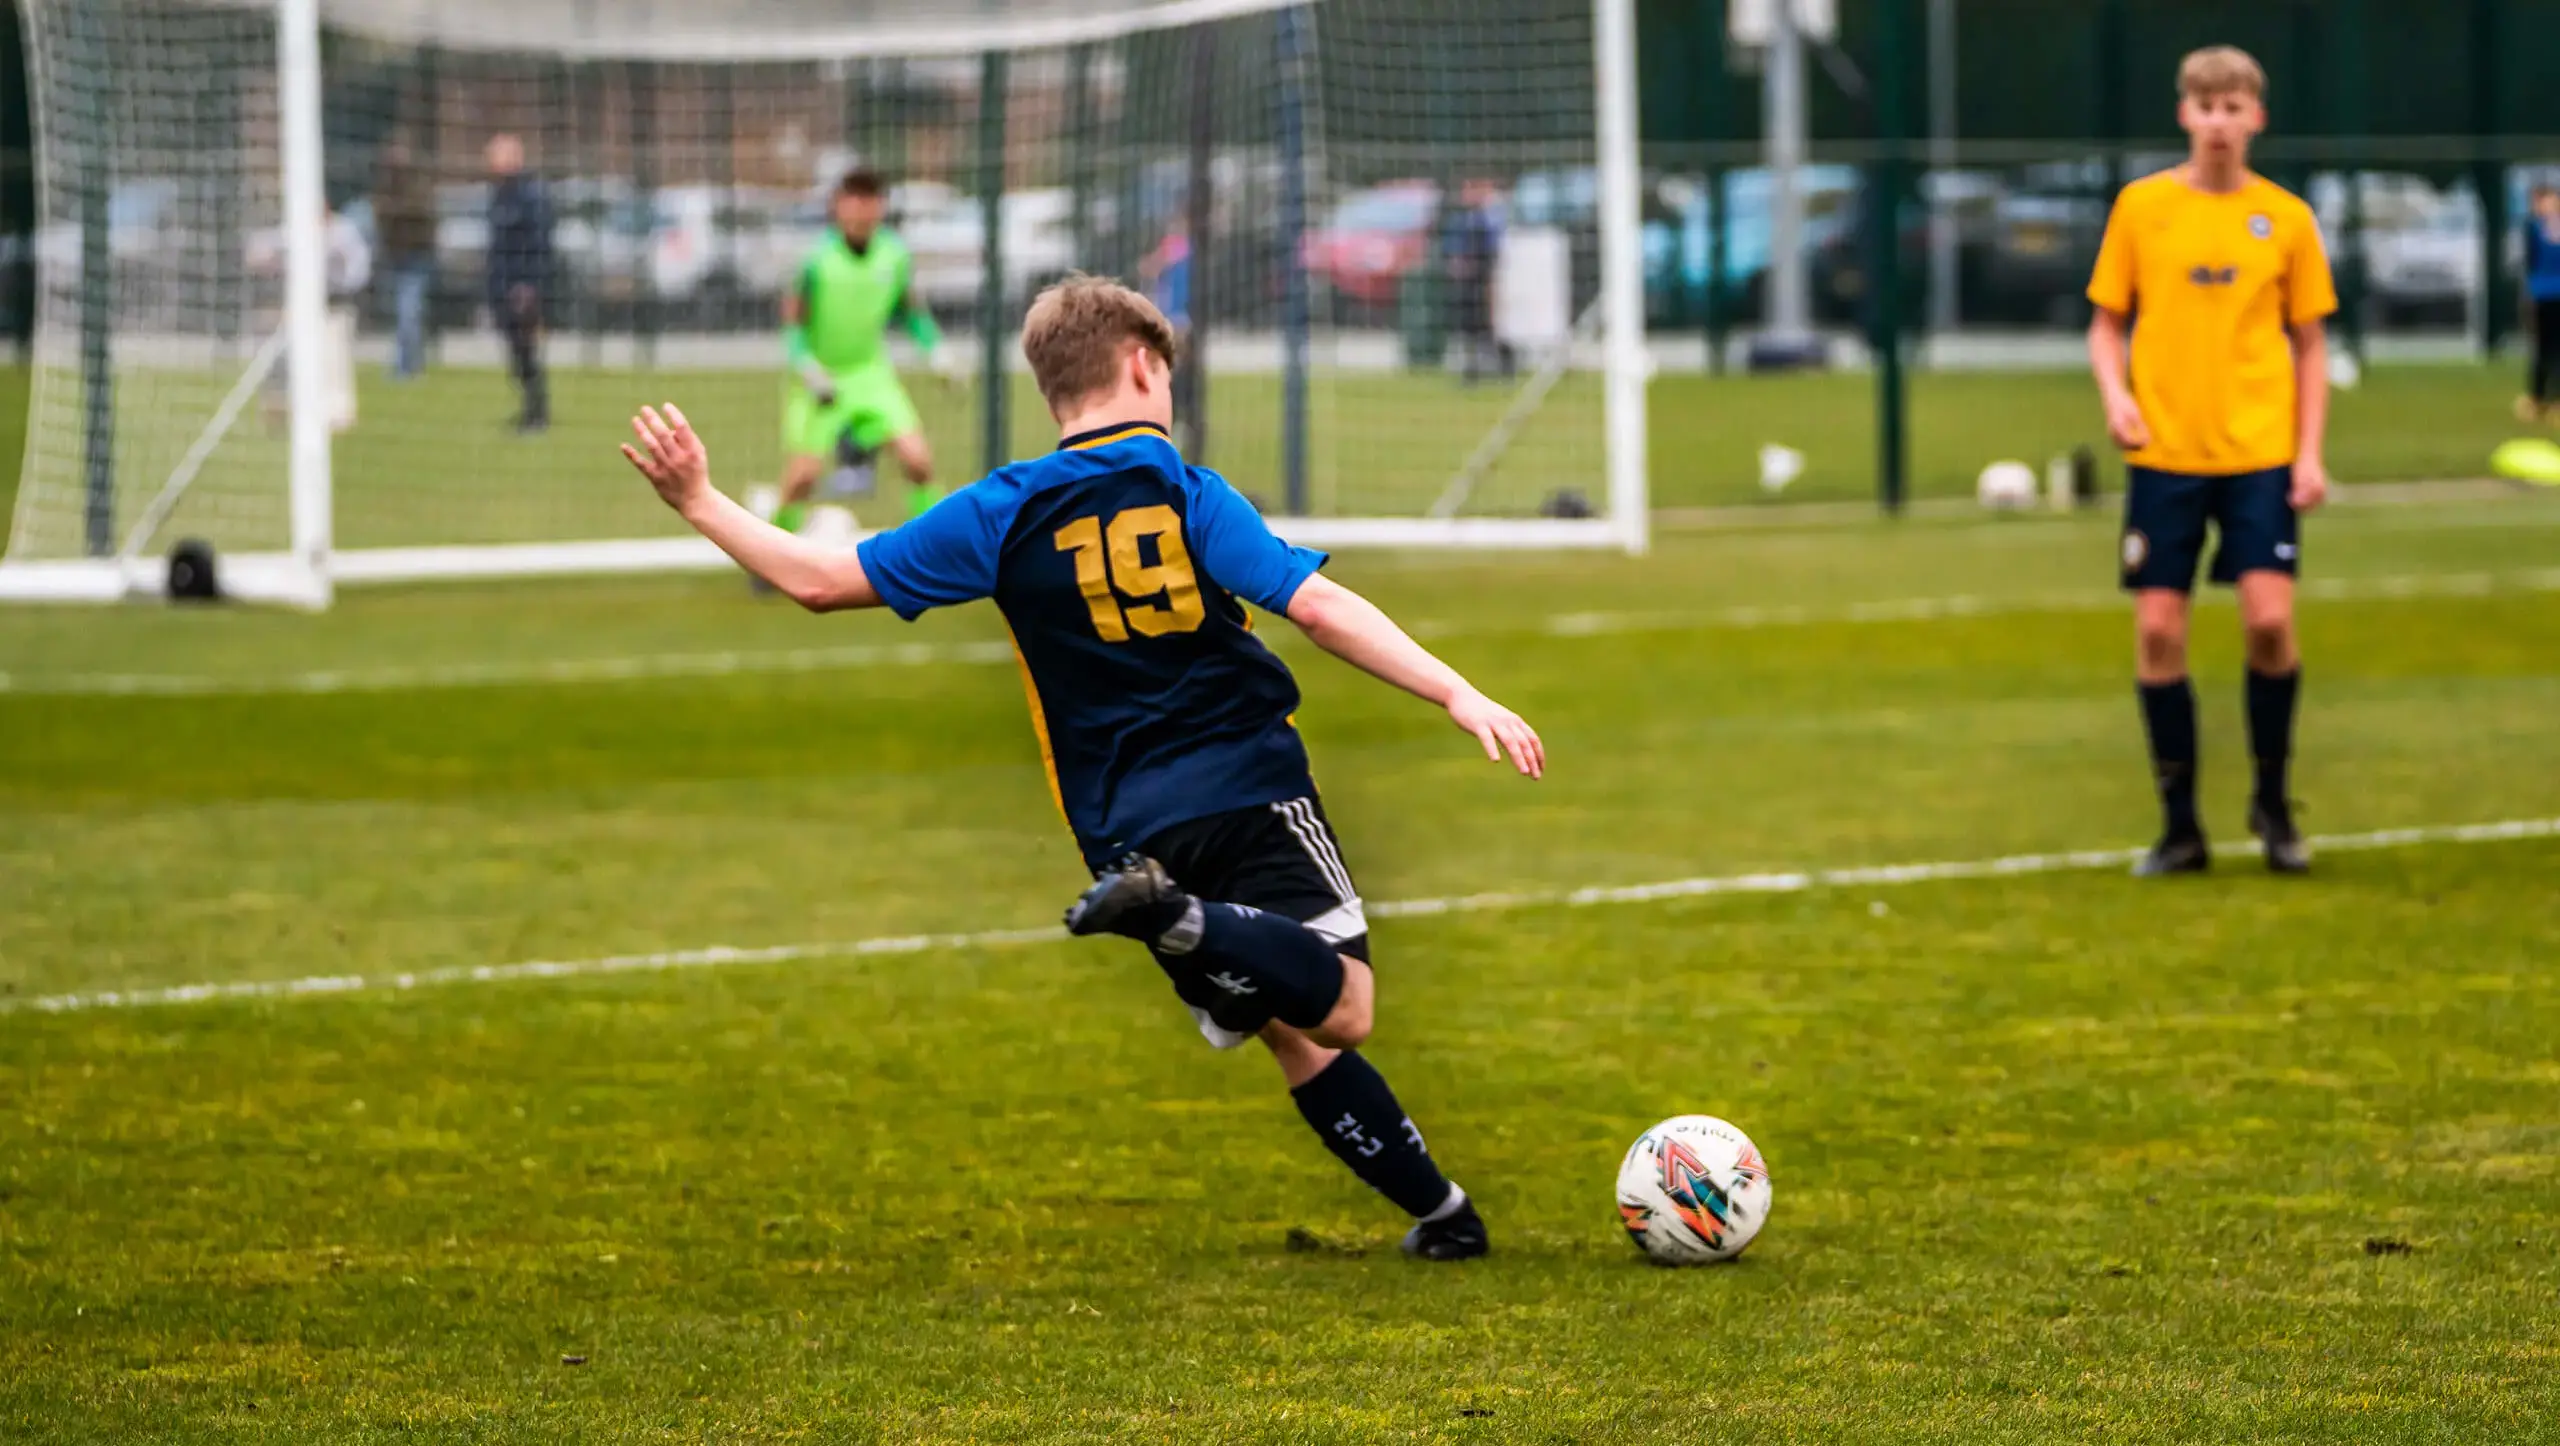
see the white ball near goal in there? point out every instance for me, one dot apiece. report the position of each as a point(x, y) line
point(1693, 1190)
point(2006, 486)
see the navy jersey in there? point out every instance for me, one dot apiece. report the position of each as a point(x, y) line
point(1119, 567)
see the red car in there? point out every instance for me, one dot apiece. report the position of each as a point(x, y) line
point(1372, 239)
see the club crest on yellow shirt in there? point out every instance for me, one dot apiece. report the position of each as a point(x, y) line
point(2261, 225)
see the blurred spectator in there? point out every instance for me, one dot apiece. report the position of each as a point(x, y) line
point(404, 213)
point(520, 271)
point(1165, 275)
point(2542, 285)
point(350, 261)
point(347, 266)
point(1470, 244)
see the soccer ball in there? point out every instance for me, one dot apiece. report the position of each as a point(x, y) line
point(1693, 1189)
point(2006, 486)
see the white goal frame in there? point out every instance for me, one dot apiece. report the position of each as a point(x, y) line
point(310, 570)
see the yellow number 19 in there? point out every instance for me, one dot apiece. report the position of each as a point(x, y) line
point(1110, 567)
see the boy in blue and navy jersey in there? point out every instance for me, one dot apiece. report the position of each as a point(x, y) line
point(1164, 722)
point(1121, 571)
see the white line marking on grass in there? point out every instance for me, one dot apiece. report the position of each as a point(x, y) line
point(721, 956)
point(869, 655)
point(1963, 605)
point(492, 675)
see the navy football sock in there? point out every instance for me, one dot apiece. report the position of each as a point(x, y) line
point(2169, 717)
point(2271, 700)
point(1357, 1117)
point(1276, 963)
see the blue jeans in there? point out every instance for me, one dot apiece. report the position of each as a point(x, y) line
point(412, 279)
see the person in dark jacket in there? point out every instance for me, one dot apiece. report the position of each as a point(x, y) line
point(1471, 246)
point(404, 213)
point(520, 271)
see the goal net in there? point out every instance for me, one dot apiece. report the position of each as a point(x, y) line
point(1401, 236)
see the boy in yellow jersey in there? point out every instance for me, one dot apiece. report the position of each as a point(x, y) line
point(2217, 277)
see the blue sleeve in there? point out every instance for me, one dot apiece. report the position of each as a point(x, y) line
point(942, 559)
point(1231, 540)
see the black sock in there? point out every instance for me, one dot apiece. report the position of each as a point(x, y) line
point(1275, 963)
point(1357, 1117)
point(2169, 716)
point(2271, 700)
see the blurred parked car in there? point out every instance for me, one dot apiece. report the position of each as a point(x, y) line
point(2045, 231)
point(2421, 245)
point(17, 285)
point(152, 242)
point(1377, 236)
point(946, 233)
point(712, 254)
point(1680, 219)
point(1841, 261)
point(1373, 238)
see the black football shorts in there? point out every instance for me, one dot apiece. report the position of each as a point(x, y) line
point(2165, 514)
point(1281, 858)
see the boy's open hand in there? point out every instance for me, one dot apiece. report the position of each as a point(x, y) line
point(1501, 731)
point(670, 456)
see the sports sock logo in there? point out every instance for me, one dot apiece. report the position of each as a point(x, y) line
point(1348, 1129)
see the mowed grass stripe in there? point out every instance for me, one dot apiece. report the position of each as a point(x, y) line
point(734, 662)
point(724, 956)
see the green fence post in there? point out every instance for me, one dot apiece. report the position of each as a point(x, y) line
point(92, 166)
point(1884, 251)
point(993, 439)
point(1191, 376)
point(2348, 74)
point(1080, 151)
point(2489, 175)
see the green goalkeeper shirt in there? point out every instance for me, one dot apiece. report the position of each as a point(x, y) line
point(848, 301)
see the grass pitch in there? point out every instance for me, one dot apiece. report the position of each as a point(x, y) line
point(431, 462)
point(2057, 1157)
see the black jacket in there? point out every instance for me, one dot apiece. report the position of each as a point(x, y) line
point(519, 236)
point(404, 210)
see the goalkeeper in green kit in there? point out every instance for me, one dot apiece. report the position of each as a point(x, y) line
point(846, 404)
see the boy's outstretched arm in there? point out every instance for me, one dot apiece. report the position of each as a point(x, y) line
point(673, 459)
point(1351, 627)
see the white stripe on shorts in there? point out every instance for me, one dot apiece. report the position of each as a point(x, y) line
point(1346, 920)
point(1300, 815)
point(1323, 833)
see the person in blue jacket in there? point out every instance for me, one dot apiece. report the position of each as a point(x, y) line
point(2542, 289)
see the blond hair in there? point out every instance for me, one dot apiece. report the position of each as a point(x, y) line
point(2220, 70)
point(1078, 332)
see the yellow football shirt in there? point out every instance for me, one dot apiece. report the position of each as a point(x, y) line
point(2212, 282)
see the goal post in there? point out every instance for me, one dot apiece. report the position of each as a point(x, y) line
point(306, 297)
point(1370, 214)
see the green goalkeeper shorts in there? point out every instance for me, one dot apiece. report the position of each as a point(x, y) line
point(870, 404)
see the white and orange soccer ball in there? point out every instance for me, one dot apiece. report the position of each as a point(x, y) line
point(1693, 1190)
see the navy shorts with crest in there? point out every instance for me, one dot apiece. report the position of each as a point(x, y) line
point(2165, 514)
